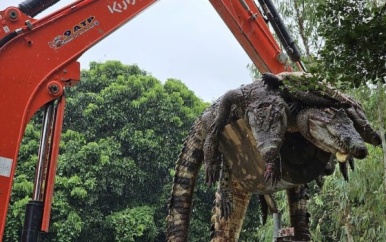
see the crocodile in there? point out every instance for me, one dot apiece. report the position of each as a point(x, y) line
point(257, 100)
point(304, 161)
point(202, 142)
point(304, 158)
point(266, 112)
point(267, 104)
point(321, 93)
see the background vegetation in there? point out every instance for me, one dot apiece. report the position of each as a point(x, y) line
point(124, 129)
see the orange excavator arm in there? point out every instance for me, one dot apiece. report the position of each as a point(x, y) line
point(38, 60)
point(247, 24)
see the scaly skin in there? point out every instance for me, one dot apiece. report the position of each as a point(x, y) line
point(336, 124)
point(362, 125)
point(328, 129)
point(324, 95)
point(332, 131)
point(298, 157)
point(187, 168)
point(291, 84)
point(228, 229)
point(269, 112)
point(299, 217)
point(186, 171)
point(267, 115)
point(237, 105)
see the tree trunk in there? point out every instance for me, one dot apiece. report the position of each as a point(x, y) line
point(381, 102)
point(300, 22)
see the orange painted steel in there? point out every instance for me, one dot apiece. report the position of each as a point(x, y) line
point(38, 63)
point(39, 57)
point(52, 163)
point(247, 24)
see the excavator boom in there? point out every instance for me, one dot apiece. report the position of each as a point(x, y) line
point(38, 60)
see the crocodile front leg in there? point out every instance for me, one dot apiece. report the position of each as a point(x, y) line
point(299, 217)
point(273, 171)
point(268, 121)
point(211, 152)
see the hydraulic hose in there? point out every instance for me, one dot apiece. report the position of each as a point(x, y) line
point(34, 7)
point(7, 38)
point(280, 29)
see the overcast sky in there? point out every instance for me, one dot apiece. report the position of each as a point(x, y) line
point(182, 39)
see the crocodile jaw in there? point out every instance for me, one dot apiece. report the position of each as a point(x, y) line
point(341, 157)
point(322, 138)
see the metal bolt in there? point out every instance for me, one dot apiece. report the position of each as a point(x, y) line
point(13, 15)
point(282, 58)
point(54, 89)
point(29, 24)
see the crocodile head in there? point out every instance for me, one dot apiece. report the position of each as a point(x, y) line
point(331, 130)
point(267, 117)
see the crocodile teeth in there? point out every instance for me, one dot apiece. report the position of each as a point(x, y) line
point(341, 157)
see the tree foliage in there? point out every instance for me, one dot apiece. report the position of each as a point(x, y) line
point(347, 40)
point(301, 21)
point(123, 130)
point(122, 133)
point(354, 33)
point(354, 209)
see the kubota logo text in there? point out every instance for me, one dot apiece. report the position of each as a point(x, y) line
point(118, 7)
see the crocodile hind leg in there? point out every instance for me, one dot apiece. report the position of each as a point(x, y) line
point(228, 229)
point(225, 190)
point(299, 217)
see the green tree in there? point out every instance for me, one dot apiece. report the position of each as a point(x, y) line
point(347, 38)
point(141, 117)
point(351, 211)
point(353, 53)
point(354, 34)
point(301, 21)
point(22, 183)
point(122, 133)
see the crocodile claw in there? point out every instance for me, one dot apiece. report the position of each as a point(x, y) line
point(351, 163)
point(226, 207)
point(343, 169)
point(273, 172)
point(212, 172)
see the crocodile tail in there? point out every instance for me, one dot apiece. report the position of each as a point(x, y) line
point(186, 171)
point(299, 217)
point(228, 230)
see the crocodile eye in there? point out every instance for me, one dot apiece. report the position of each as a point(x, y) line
point(281, 105)
point(264, 105)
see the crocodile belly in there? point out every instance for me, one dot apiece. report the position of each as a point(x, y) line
point(301, 161)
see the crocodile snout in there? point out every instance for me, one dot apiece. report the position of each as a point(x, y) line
point(359, 151)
